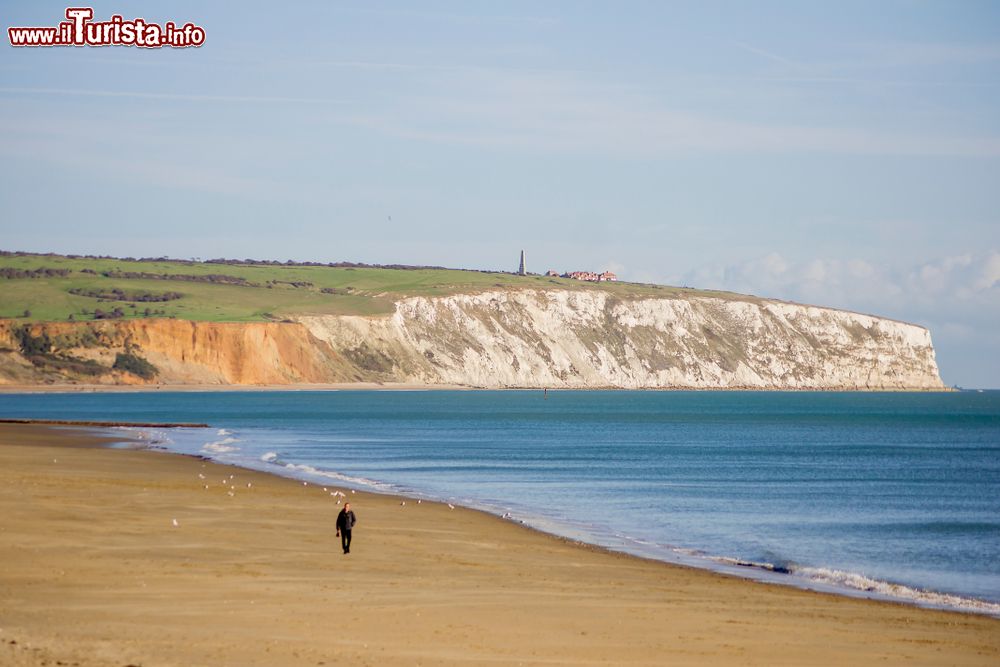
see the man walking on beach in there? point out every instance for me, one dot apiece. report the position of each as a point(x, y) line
point(345, 524)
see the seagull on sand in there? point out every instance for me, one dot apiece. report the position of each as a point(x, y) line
point(175, 523)
point(402, 504)
point(450, 506)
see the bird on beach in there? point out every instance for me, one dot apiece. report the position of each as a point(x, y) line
point(450, 506)
point(200, 476)
point(249, 485)
point(402, 503)
point(175, 523)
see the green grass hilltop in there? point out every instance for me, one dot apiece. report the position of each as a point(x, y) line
point(48, 287)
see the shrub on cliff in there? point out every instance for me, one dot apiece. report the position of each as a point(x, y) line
point(130, 363)
point(32, 345)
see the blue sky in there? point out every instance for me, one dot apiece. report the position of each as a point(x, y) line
point(844, 154)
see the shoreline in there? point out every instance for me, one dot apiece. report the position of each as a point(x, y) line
point(819, 578)
point(95, 572)
point(100, 424)
point(759, 572)
point(413, 386)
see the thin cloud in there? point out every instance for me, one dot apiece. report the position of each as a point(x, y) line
point(537, 112)
point(136, 167)
point(454, 17)
point(768, 55)
point(184, 97)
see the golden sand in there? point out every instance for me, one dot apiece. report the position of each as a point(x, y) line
point(93, 571)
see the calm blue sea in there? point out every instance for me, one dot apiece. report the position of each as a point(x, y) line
point(885, 495)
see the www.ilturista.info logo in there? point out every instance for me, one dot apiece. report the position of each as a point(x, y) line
point(80, 30)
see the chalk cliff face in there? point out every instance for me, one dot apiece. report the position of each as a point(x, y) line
point(592, 339)
point(529, 338)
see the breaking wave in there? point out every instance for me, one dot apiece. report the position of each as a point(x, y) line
point(223, 446)
point(860, 582)
point(308, 472)
point(855, 582)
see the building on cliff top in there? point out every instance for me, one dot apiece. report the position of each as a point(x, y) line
point(591, 276)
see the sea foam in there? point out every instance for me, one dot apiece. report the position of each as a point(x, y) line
point(223, 446)
point(860, 582)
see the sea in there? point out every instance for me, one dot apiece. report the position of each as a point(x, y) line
point(885, 495)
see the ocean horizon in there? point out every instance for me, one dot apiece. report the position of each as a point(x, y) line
point(887, 495)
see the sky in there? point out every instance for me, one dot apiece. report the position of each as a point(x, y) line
point(843, 154)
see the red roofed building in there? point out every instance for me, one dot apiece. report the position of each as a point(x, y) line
point(591, 276)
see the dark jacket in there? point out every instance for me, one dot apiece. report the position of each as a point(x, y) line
point(346, 520)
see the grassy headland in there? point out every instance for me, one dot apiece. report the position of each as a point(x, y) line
point(49, 287)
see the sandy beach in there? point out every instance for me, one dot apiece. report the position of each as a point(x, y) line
point(94, 571)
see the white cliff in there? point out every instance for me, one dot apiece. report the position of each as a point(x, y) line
point(565, 338)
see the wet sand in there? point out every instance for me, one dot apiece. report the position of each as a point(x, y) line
point(93, 571)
